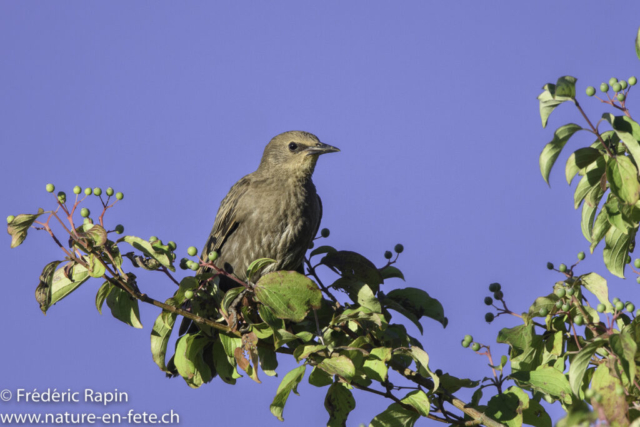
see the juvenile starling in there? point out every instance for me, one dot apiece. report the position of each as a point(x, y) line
point(273, 212)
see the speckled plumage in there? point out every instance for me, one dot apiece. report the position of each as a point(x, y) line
point(273, 212)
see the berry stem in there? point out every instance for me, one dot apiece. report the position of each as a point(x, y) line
point(593, 129)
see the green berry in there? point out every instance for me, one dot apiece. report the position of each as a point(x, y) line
point(10, 219)
point(630, 307)
point(638, 312)
point(636, 263)
point(488, 300)
point(494, 287)
point(194, 266)
point(566, 307)
point(550, 265)
point(97, 191)
point(543, 311)
point(62, 197)
point(88, 191)
point(109, 191)
point(559, 304)
point(192, 251)
point(621, 97)
point(623, 84)
point(87, 221)
point(119, 229)
point(77, 189)
point(325, 232)
point(398, 248)
point(562, 268)
point(468, 338)
point(633, 81)
point(498, 295)
point(604, 87)
point(50, 188)
point(619, 306)
point(489, 317)
point(119, 195)
point(84, 212)
point(578, 320)
point(601, 308)
point(589, 393)
point(311, 245)
point(570, 292)
point(152, 239)
point(172, 245)
point(466, 344)
point(616, 299)
point(638, 279)
point(613, 81)
point(213, 255)
point(561, 292)
point(616, 87)
point(188, 294)
point(438, 372)
point(183, 263)
point(475, 346)
point(581, 256)
point(591, 91)
point(388, 254)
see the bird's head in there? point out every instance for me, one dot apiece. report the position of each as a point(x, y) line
point(294, 153)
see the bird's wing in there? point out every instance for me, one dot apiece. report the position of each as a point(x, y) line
point(315, 233)
point(227, 218)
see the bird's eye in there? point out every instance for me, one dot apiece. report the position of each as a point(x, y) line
point(293, 146)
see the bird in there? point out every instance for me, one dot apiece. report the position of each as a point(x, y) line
point(274, 212)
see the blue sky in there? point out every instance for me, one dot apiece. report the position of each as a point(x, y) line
point(433, 105)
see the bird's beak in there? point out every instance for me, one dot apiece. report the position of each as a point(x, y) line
point(321, 148)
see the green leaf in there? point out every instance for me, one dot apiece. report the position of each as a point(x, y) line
point(268, 361)
point(322, 250)
point(366, 298)
point(593, 176)
point(102, 295)
point(616, 216)
point(535, 415)
point(43, 290)
point(547, 380)
point(320, 378)
point(616, 250)
point(419, 303)
point(289, 295)
point(613, 405)
point(623, 179)
point(338, 365)
point(124, 307)
point(189, 360)
point(18, 228)
point(506, 408)
point(229, 297)
point(339, 402)
point(390, 271)
point(580, 364)
point(628, 131)
point(93, 234)
point(566, 87)
point(225, 369)
point(600, 228)
point(638, 44)
point(579, 160)
point(303, 351)
point(547, 302)
point(61, 286)
point(398, 416)
point(258, 265)
point(597, 285)
point(160, 335)
point(549, 102)
point(589, 209)
point(156, 252)
point(289, 383)
point(96, 267)
point(393, 305)
point(354, 266)
point(625, 348)
point(552, 150)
